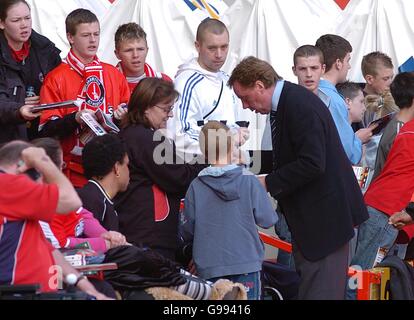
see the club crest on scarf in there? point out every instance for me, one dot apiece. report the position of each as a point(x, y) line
point(92, 89)
point(94, 92)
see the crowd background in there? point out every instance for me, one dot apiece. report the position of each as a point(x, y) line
point(268, 29)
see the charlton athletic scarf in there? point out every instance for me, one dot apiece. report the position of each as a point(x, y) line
point(92, 89)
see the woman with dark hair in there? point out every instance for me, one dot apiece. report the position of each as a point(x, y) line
point(148, 209)
point(25, 59)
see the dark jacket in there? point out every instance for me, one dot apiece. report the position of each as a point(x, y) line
point(14, 77)
point(141, 269)
point(313, 179)
point(148, 209)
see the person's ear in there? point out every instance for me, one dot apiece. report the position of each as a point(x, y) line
point(197, 46)
point(323, 68)
point(348, 103)
point(294, 71)
point(2, 26)
point(116, 169)
point(338, 64)
point(259, 85)
point(369, 79)
point(116, 51)
point(70, 38)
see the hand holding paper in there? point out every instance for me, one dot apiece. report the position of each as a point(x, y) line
point(379, 124)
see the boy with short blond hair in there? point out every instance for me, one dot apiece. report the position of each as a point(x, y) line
point(131, 48)
point(378, 72)
point(223, 205)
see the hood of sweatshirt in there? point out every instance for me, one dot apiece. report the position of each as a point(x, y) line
point(193, 66)
point(224, 181)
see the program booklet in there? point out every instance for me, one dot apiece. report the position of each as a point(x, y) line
point(363, 175)
point(96, 127)
point(382, 122)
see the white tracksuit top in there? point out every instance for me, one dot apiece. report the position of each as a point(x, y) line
point(199, 94)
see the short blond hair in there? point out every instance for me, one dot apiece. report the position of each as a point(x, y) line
point(371, 62)
point(215, 140)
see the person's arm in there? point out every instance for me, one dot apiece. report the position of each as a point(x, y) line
point(58, 123)
point(405, 217)
point(350, 141)
point(98, 237)
point(170, 177)
point(187, 112)
point(264, 213)
point(100, 245)
point(83, 284)
point(12, 111)
point(36, 158)
point(187, 226)
point(92, 227)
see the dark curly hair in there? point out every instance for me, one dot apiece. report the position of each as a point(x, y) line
point(101, 154)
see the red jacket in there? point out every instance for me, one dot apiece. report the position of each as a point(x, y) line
point(392, 190)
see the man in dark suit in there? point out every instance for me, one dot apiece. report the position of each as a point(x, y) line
point(312, 178)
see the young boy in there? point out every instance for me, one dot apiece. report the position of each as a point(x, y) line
point(131, 48)
point(308, 67)
point(378, 71)
point(82, 75)
point(222, 208)
point(337, 53)
point(354, 99)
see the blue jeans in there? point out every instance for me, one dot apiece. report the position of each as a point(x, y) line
point(251, 281)
point(373, 234)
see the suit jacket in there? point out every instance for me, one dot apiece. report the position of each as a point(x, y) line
point(313, 179)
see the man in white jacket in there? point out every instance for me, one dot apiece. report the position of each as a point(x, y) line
point(204, 94)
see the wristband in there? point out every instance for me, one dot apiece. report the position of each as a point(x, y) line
point(79, 279)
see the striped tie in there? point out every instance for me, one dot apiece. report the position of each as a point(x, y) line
point(273, 128)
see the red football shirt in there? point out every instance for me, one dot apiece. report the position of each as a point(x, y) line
point(392, 190)
point(25, 254)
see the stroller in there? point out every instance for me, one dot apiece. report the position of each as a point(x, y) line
point(278, 281)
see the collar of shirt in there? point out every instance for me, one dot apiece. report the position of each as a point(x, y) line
point(323, 83)
point(276, 94)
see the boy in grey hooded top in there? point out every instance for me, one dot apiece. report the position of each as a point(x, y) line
point(223, 205)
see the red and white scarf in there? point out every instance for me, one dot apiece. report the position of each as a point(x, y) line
point(92, 89)
point(148, 73)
